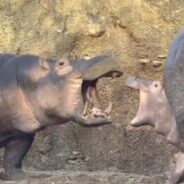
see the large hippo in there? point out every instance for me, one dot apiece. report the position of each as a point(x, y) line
point(161, 105)
point(36, 92)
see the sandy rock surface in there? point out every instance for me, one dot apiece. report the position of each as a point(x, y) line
point(63, 177)
point(138, 33)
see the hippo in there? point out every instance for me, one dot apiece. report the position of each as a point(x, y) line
point(161, 104)
point(37, 92)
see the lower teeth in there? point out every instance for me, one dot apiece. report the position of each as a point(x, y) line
point(96, 112)
point(108, 109)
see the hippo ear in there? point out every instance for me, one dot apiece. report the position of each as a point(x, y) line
point(44, 63)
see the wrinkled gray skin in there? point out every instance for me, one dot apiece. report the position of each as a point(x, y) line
point(162, 106)
point(37, 92)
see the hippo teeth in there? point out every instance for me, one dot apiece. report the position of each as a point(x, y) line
point(92, 104)
point(97, 112)
point(108, 109)
point(85, 109)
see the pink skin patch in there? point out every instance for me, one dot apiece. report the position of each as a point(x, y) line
point(154, 108)
point(149, 92)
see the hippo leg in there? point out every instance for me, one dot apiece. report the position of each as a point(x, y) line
point(15, 150)
point(177, 173)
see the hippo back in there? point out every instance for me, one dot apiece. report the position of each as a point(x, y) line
point(173, 79)
point(5, 57)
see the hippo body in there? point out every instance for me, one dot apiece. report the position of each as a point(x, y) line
point(173, 83)
point(173, 80)
point(36, 92)
point(161, 105)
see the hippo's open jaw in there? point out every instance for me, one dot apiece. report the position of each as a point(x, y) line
point(91, 71)
point(88, 72)
point(137, 83)
point(92, 103)
point(142, 116)
point(152, 101)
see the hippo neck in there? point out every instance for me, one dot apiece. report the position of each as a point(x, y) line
point(166, 123)
point(31, 123)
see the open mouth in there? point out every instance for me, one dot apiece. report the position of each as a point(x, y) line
point(92, 105)
point(137, 83)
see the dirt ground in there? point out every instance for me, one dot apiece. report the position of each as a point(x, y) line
point(102, 177)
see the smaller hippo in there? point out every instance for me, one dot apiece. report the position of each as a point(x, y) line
point(161, 104)
point(155, 110)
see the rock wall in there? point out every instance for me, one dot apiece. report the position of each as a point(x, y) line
point(139, 33)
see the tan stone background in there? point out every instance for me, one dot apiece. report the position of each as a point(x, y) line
point(138, 33)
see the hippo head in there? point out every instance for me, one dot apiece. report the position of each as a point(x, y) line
point(74, 85)
point(154, 108)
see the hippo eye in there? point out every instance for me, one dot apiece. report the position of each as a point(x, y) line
point(61, 63)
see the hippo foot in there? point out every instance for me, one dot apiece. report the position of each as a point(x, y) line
point(177, 172)
point(174, 181)
point(16, 174)
point(20, 175)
